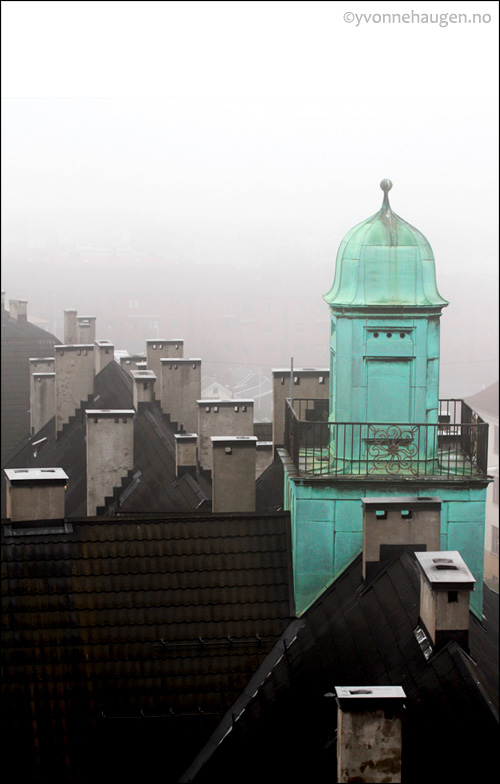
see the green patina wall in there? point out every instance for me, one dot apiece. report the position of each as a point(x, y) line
point(327, 528)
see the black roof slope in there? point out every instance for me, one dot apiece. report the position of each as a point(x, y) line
point(150, 487)
point(129, 638)
point(269, 488)
point(20, 340)
point(353, 636)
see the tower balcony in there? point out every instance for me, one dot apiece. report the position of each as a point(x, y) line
point(455, 447)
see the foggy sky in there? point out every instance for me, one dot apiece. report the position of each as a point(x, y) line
point(238, 133)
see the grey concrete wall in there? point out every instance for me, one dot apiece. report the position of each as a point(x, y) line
point(39, 365)
point(180, 391)
point(221, 418)
point(110, 453)
point(368, 746)
point(441, 615)
point(37, 502)
point(75, 367)
point(263, 457)
point(185, 452)
point(43, 400)
point(311, 383)
point(233, 474)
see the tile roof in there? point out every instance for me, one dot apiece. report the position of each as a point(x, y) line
point(165, 615)
point(354, 635)
point(20, 341)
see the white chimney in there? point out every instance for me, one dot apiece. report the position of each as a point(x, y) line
point(369, 733)
point(110, 453)
point(74, 367)
point(35, 493)
point(18, 309)
point(445, 586)
point(397, 523)
point(104, 354)
point(70, 330)
point(144, 387)
point(221, 418)
point(180, 391)
point(85, 329)
point(233, 473)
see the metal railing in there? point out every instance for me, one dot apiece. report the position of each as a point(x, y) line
point(455, 445)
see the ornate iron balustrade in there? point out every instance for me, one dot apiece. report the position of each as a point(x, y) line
point(456, 445)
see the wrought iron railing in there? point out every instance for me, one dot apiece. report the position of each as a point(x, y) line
point(455, 445)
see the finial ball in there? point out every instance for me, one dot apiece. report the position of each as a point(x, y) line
point(386, 185)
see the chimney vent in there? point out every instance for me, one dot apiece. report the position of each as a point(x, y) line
point(18, 309)
point(35, 493)
point(233, 473)
point(445, 586)
point(369, 732)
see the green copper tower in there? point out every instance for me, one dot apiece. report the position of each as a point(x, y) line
point(386, 432)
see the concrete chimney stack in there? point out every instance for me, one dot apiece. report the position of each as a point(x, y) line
point(132, 362)
point(396, 524)
point(311, 383)
point(70, 330)
point(156, 350)
point(43, 401)
point(39, 365)
point(74, 367)
point(445, 586)
point(180, 391)
point(369, 733)
point(18, 309)
point(104, 354)
point(85, 329)
point(221, 418)
point(185, 453)
point(233, 473)
point(35, 493)
point(110, 453)
point(144, 387)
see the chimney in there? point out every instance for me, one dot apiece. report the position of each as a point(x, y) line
point(445, 586)
point(233, 473)
point(397, 524)
point(264, 457)
point(39, 365)
point(180, 391)
point(310, 383)
point(144, 387)
point(18, 309)
point(130, 363)
point(110, 453)
point(104, 354)
point(43, 401)
point(156, 350)
point(35, 493)
point(74, 367)
point(85, 329)
point(221, 418)
point(70, 330)
point(369, 732)
point(185, 453)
